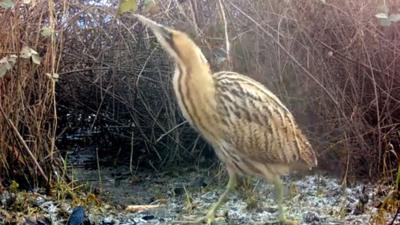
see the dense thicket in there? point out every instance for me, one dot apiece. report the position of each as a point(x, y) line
point(334, 63)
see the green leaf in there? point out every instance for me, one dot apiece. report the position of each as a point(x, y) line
point(28, 52)
point(47, 31)
point(127, 6)
point(36, 59)
point(7, 4)
point(12, 59)
point(6, 64)
point(13, 186)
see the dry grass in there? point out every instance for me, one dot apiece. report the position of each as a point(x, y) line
point(27, 96)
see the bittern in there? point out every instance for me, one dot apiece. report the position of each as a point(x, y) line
point(250, 129)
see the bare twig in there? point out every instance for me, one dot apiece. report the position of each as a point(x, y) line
point(171, 130)
point(227, 43)
point(307, 72)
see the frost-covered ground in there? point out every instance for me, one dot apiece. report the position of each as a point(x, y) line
point(312, 199)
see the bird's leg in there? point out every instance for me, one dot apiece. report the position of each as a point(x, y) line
point(210, 216)
point(222, 199)
point(279, 199)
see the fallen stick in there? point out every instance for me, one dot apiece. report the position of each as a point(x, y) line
point(140, 208)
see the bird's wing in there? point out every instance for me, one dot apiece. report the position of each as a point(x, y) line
point(257, 123)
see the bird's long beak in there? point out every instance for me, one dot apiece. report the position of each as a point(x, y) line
point(158, 29)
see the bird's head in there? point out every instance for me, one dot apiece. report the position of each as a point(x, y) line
point(178, 44)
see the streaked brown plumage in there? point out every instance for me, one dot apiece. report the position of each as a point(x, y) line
point(252, 132)
point(257, 128)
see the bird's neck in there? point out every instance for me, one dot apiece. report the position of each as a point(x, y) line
point(195, 91)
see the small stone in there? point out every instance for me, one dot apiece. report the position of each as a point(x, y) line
point(271, 209)
point(39, 201)
point(7, 199)
point(311, 217)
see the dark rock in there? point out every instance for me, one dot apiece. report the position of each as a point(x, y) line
point(77, 216)
point(148, 217)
